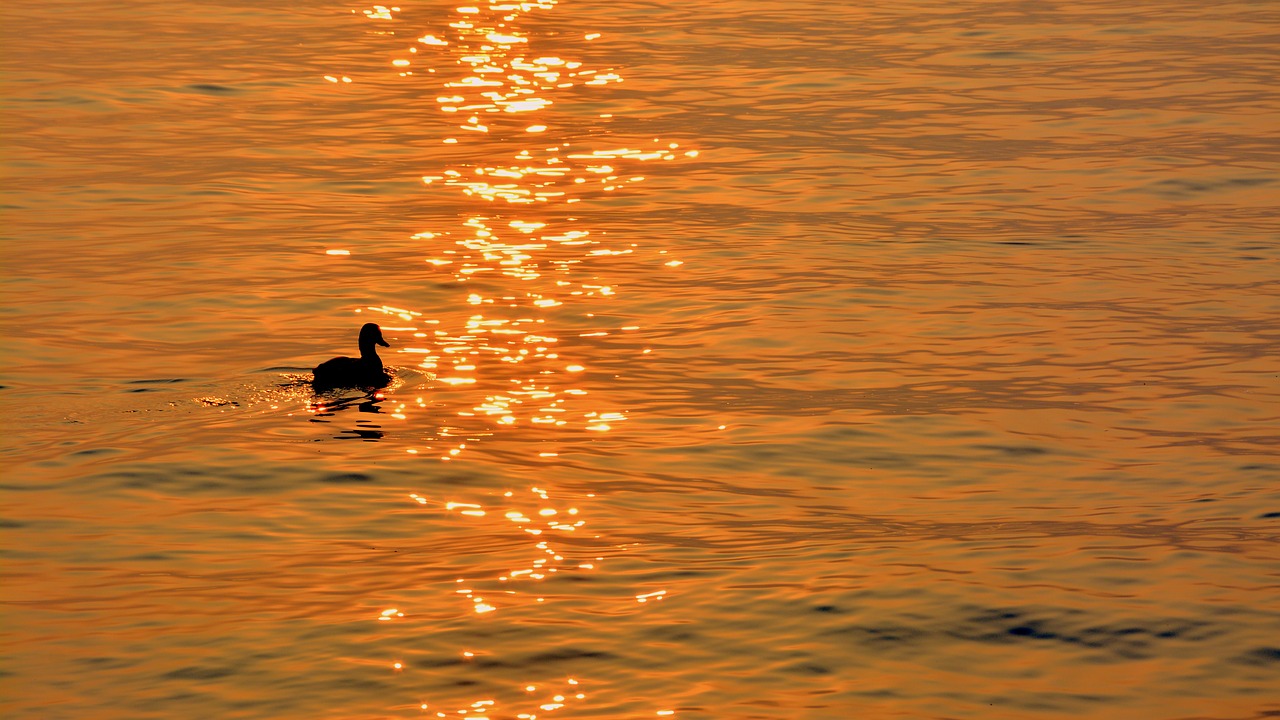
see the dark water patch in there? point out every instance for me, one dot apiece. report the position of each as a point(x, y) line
point(677, 634)
point(564, 654)
point(1015, 450)
point(148, 557)
point(164, 705)
point(91, 452)
point(1129, 640)
point(154, 385)
point(181, 479)
point(1047, 628)
point(67, 100)
point(7, 524)
point(1004, 55)
point(43, 486)
point(886, 637)
point(483, 662)
point(107, 663)
point(346, 478)
point(1268, 657)
point(1045, 702)
point(1179, 188)
point(213, 89)
point(1270, 515)
point(1031, 631)
point(195, 672)
point(808, 669)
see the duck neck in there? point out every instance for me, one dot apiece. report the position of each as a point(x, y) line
point(369, 353)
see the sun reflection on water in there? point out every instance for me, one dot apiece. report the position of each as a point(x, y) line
point(535, 515)
point(494, 362)
point(542, 524)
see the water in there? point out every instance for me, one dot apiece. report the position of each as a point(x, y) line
point(929, 371)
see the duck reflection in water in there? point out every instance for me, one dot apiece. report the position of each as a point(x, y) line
point(363, 372)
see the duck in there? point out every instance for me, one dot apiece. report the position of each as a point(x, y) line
point(364, 372)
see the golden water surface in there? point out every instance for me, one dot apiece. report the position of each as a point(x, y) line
point(752, 359)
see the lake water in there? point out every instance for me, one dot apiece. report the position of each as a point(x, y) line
point(753, 359)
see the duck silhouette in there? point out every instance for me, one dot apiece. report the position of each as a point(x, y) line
point(364, 372)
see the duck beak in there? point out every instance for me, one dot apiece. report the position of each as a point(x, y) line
point(382, 342)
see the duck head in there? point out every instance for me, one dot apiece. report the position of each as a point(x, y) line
point(371, 335)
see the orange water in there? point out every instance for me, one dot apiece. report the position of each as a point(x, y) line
point(753, 360)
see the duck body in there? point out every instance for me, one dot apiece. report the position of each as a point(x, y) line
point(364, 371)
point(350, 372)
